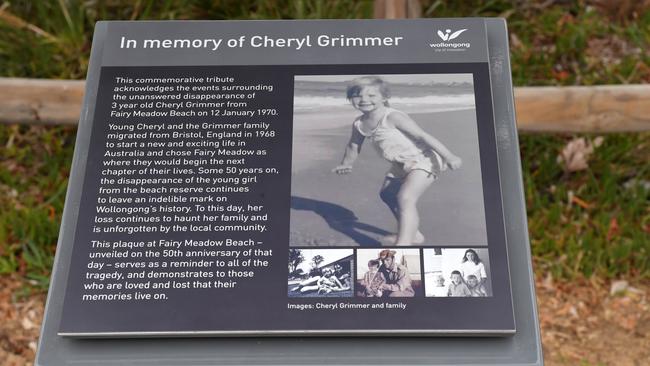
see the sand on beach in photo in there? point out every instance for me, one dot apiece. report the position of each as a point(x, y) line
point(333, 210)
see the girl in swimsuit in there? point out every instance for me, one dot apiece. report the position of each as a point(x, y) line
point(416, 157)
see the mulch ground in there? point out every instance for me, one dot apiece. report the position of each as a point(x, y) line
point(20, 323)
point(583, 322)
point(592, 322)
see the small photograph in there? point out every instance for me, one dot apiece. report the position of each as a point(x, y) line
point(386, 160)
point(320, 272)
point(457, 272)
point(389, 273)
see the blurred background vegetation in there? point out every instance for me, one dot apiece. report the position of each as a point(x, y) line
point(592, 222)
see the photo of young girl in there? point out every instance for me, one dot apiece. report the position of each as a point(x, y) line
point(373, 280)
point(476, 288)
point(458, 287)
point(416, 158)
point(426, 164)
point(438, 289)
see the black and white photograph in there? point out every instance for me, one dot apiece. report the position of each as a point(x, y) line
point(386, 160)
point(389, 273)
point(320, 272)
point(457, 272)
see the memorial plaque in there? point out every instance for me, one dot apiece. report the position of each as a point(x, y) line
point(288, 178)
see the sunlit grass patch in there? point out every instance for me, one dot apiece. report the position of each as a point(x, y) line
point(594, 221)
point(34, 169)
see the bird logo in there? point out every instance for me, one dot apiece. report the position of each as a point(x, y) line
point(448, 36)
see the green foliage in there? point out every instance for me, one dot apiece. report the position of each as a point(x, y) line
point(34, 168)
point(604, 231)
point(552, 43)
point(282, 9)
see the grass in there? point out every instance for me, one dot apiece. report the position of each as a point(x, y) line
point(34, 168)
point(606, 230)
point(603, 231)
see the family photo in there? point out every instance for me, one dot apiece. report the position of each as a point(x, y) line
point(320, 272)
point(386, 160)
point(457, 272)
point(388, 273)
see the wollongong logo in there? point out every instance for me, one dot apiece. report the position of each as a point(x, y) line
point(448, 36)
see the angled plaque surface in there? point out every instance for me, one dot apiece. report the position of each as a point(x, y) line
point(288, 178)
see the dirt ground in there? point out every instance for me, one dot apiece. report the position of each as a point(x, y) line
point(583, 322)
point(20, 323)
point(592, 322)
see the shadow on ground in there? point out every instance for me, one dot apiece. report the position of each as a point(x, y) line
point(340, 219)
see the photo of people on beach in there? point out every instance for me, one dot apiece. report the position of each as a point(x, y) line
point(389, 273)
point(386, 160)
point(457, 272)
point(320, 272)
